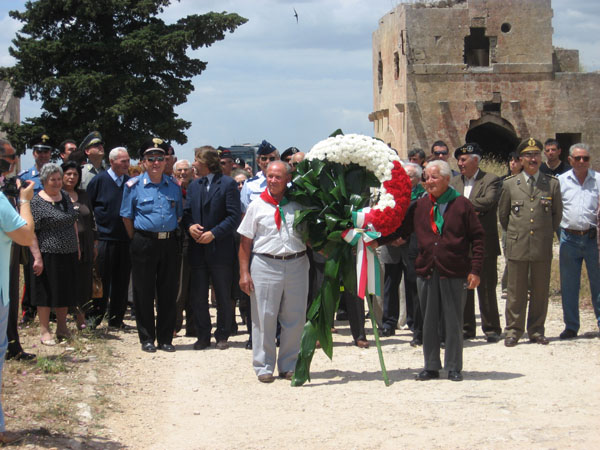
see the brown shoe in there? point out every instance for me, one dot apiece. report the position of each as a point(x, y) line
point(266, 378)
point(287, 375)
point(510, 342)
point(7, 437)
point(362, 343)
point(222, 345)
point(543, 340)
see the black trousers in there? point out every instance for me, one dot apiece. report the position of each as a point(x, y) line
point(154, 273)
point(221, 276)
point(114, 266)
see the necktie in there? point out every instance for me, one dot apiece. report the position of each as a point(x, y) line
point(531, 184)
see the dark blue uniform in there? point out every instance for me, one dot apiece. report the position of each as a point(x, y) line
point(154, 210)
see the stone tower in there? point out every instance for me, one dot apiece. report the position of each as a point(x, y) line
point(480, 71)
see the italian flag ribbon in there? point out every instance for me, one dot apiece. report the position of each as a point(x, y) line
point(368, 276)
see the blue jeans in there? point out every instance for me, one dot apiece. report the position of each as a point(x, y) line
point(573, 251)
point(3, 346)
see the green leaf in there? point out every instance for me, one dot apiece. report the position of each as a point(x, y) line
point(335, 236)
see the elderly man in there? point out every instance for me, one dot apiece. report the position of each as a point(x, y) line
point(483, 191)
point(93, 147)
point(113, 262)
point(296, 159)
point(150, 210)
point(182, 171)
point(256, 185)
point(277, 282)
point(553, 165)
point(580, 190)
point(530, 211)
point(15, 227)
point(211, 216)
point(450, 241)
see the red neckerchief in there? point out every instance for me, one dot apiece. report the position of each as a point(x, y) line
point(267, 197)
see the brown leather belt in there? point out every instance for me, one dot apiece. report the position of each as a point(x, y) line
point(577, 232)
point(284, 257)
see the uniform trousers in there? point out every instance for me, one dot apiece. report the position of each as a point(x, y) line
point(114, 265)
point(448, 296)
point(280, 292)
point(154, 271)
point(488, 302)
point(516, 302)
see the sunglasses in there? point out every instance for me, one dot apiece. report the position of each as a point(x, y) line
point(240, 183)
point(268, 158)
point(581, 158)
point(155, 158)
point(440, 153)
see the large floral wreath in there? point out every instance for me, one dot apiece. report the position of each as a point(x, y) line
point(336, 182)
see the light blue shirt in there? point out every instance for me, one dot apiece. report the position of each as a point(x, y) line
point(252, 190)
point(115, 178)
point(34, 175)
point(10, 220)
point(580, 201)
point(152, 207)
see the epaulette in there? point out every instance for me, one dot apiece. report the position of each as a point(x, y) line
point(511, 176)
point(551, 176)
point(131, 182)
point(22, 172)
point(255, 177)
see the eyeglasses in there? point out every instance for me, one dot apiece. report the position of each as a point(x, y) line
point(440, 153)
point(581, 158)
point(155, 158)
point(268, 158)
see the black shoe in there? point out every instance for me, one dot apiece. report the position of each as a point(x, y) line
point(148, 347)
point(20, 356)
point(201, 345)
point(492, 338)
point(425, 375)
point(455, 375)
point(567, 334)
point(249, 344)
point(416, 342)
point(387, 332)
point(166, 348)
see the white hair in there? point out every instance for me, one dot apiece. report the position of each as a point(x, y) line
point(581, 146)
point(181, 162)
point(415, 170)
point(442, 166)
point(115, 152)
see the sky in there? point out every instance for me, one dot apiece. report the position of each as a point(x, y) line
point(295, 83)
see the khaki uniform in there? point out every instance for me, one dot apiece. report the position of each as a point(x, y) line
point(530, 221)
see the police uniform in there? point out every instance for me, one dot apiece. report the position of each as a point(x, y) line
point(530, 216)
point(31, 175)
point(154, 210)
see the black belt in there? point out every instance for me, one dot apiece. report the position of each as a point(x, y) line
point(577, 232)
point(160, 235)
point(284, 257)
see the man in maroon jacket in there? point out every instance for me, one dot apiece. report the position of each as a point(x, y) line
point(449, 262)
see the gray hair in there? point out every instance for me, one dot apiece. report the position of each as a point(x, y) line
point(442, 166)
point(3, 144)
point(287, 167)
point(48, 170)
point(416, 171)
point(114, 153)
point(580, 146)
point(179, 163)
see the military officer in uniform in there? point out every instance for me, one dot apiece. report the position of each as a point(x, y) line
point(42, 151)
point(93, 147)
point(257, 184)
point(151, 208)
point(530, 211)
point(483, 191)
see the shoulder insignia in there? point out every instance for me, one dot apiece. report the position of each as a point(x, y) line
point(255, 177)
point(551, 176)
point(132, 181)
point(510, 176)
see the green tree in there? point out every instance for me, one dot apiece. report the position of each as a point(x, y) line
point(108, 65)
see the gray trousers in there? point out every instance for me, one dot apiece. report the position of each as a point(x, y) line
point(280, 292)
point(448, 295)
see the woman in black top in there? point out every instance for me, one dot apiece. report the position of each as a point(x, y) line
point(55, 253)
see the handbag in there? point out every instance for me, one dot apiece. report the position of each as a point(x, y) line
point(96, 284)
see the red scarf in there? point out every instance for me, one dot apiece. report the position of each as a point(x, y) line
point(267, 197)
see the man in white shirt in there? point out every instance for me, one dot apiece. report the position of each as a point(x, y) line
point(580, 188)
point(277, 281)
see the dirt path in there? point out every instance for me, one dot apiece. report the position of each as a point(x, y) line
point(530, 396)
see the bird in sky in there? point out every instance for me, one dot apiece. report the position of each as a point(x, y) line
point(295, 15)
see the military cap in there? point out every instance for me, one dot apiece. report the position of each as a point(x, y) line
point(530, 145)
point(240, 162)
point(224, 153)
point(93, 138)
point(289, 152)
point(470, 148)
point(265, 148)
point(152, 145)
point(41, 142)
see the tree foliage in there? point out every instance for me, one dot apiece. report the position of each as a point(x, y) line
point(108, 65)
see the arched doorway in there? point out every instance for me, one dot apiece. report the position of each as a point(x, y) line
point(494, 135)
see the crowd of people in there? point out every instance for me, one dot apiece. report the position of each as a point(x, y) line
point(177, 231)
